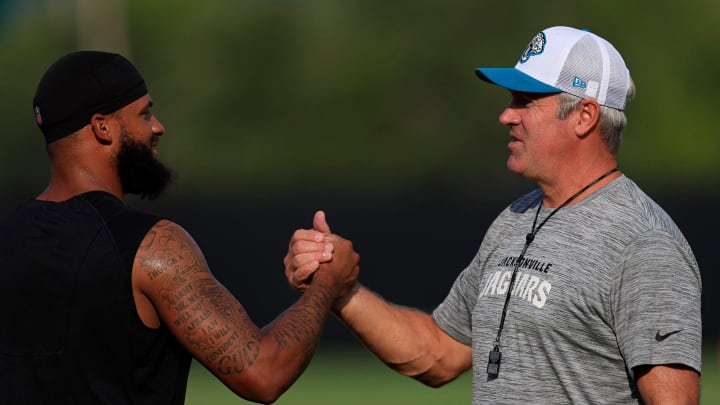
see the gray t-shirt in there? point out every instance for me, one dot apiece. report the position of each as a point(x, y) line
point(609, 283)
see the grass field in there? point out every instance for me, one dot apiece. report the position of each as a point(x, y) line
point(355, 377)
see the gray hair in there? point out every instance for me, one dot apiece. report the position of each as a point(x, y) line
point(612, 121)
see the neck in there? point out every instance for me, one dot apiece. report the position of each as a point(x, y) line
point(576, 189)
point(67, 183)
point(79, 164)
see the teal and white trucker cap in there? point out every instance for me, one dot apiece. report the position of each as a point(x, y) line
point(564, 59)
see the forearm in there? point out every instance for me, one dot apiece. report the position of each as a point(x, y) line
point(257, 364)
point(171, 281)
point(668, 384)
point(405, 339)
point(291, 339)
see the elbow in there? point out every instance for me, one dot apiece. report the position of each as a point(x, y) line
point(434, 380)
point(259, 393)
point(432, 376)
point(265, 398)
point(261, 390)
point(264, 379)
point(433, 383)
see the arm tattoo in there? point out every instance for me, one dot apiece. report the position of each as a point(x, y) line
point(303, 322)
point(167, 252)
point(204, 313)
point(209, 320)
point(207, 317)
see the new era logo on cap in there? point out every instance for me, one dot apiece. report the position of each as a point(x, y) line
point(564, 59)
point(578, 82)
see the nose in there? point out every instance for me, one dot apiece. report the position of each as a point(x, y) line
point(157, 127)
point(509, 116)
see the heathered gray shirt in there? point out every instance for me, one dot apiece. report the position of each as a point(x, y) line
point(609, 283)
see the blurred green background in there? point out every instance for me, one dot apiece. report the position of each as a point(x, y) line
point(348, 376)
point(370, 110)
point(361, 96)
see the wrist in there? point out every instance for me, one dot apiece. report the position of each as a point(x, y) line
point(344, 299)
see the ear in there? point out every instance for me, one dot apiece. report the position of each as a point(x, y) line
point(588, 117)
point(101, 128)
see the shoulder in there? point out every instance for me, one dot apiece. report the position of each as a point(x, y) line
point(165, 237)
point(168, 228)
point(168, 248)
point(167, 264)
point(526, 201)
point(637, 226)
point(512, 216)
point(625, 202)
point(166, 233)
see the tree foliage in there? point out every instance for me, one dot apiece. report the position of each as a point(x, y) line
point(367, 96)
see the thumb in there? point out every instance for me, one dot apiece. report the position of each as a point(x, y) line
point(320, 224)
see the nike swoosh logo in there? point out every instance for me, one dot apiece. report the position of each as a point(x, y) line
point(660, 337)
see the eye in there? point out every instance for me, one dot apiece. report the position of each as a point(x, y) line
point(522, 99)
point(146, 112)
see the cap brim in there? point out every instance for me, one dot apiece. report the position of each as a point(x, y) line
point(513, 79)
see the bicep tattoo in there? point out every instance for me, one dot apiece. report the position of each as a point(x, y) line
point(205, 316)
point(166, 249)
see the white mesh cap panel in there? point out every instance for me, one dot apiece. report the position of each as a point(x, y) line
point(578, 62)
point(582, 73)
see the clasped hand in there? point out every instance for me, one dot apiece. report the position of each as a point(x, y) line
point(317, 255)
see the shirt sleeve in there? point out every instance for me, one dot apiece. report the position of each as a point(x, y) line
point(454, 314)
point(657, 303)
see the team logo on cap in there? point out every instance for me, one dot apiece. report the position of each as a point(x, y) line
point(535, 47)
point(38, 116)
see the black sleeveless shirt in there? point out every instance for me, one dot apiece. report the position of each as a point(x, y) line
point(70, 333)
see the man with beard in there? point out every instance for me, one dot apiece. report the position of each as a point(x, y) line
point(140, 172)
point(107, 304)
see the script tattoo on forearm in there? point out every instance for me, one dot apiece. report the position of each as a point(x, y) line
point(303, 322)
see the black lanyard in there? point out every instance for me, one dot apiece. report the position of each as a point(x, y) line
point(493, 367)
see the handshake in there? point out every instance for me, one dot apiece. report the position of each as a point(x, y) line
point(320, 258)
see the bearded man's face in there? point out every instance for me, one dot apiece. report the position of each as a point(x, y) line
point(140, 172)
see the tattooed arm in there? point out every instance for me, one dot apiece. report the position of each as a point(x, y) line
point(173, 286)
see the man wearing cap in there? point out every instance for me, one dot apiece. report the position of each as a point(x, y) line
point(583, 290)
point(104, 304)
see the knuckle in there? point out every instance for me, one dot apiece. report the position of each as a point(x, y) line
point(293, 247)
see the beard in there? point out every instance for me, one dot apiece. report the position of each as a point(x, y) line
point(140, 172)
